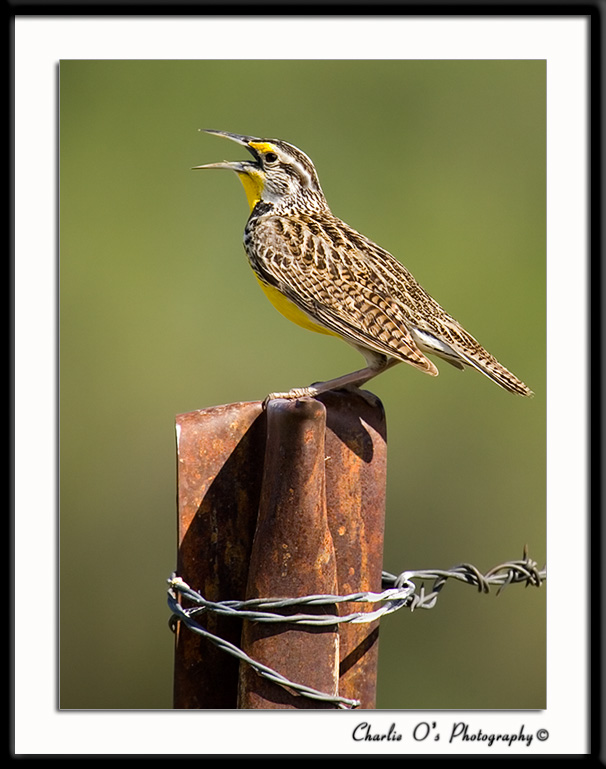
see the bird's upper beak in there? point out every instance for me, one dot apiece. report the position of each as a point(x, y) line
point(251, 173)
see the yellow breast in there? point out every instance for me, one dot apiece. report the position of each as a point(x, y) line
point(291, 311)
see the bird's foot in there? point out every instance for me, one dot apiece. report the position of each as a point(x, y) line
point(294, 394)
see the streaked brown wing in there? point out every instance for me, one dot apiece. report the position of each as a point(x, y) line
point(336, 286)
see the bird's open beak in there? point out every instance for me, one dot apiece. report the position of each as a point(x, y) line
point(250, 173)
point(238, 166)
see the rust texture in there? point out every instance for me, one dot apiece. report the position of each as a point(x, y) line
point(356, 467)
point(283, 502)
point(292, 555)
point(219, 469)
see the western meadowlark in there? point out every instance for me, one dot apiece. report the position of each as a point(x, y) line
point(325, 276)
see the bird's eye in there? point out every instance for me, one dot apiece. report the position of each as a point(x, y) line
point(270, 157)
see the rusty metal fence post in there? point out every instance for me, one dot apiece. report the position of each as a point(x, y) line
point(283, 502)
point(292, 556)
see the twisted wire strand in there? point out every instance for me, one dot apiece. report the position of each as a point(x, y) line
point(394, 599)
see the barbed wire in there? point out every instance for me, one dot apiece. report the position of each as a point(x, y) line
point(399, 592)
point(524, 570)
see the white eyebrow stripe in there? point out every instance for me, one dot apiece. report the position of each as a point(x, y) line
point(286, 158)
point(303, 171)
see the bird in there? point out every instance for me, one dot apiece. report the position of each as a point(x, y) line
point(325, 276)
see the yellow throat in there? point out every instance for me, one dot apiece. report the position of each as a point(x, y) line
point(253, 187)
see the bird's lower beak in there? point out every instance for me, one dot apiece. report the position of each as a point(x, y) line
point(237, 166)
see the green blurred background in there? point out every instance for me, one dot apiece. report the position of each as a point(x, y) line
point(443, 164)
